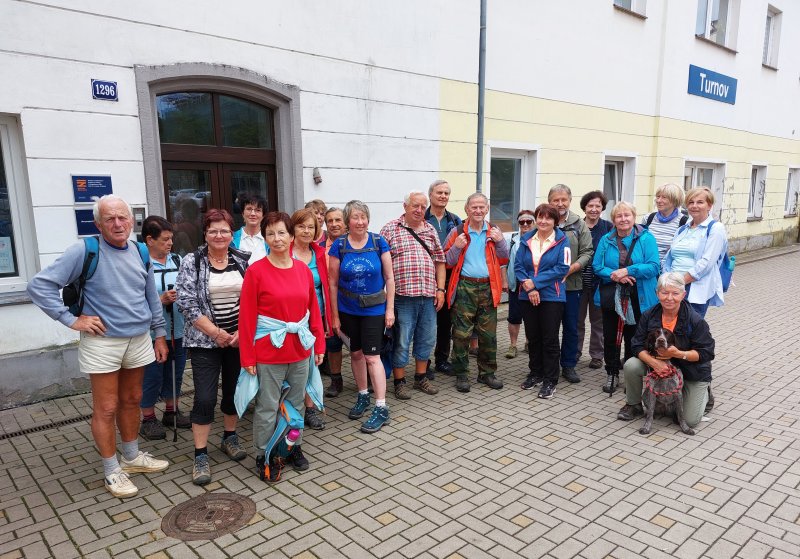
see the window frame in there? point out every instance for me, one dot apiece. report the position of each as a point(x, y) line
point(703, 25)
point(772, 36)
point(638, 8)
point(13, 289)
point(625, 163)
point(757, 191)
point(528, 184)
point(792, 186)
point(717, 169)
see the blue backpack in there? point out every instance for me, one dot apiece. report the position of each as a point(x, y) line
point(72, 294)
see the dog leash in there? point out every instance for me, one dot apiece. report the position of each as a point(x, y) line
point(653, 375)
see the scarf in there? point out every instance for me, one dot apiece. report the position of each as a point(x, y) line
point(669, 218)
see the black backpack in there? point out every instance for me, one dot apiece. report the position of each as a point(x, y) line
point(681, 222)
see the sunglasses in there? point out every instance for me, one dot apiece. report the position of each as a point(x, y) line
point(525, 222)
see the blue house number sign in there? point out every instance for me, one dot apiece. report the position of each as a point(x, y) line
point(107, 91)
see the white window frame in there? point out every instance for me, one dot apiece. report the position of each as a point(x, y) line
point(637, 6)
point(792, 202)
point(706, 28)
point(12, 289)
point(528, 186)
point(757, 191)
point(625, 164)
point(772, 37)
point(691, 176)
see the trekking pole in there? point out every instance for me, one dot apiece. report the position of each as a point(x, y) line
point(171, 312)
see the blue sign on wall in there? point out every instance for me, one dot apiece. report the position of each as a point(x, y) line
point(107, 91)
point(84, 219)
point(712, 85)
point(89, 187)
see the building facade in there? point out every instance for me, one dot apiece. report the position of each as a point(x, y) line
point(181, 106)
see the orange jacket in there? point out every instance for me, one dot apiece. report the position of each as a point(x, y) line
point(496, 256)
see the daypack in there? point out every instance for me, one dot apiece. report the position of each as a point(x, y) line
point(72, 295)
point(344, 250)
point(727, 263)
point(681, 222)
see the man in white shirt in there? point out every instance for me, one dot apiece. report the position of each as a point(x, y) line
point(249, 237)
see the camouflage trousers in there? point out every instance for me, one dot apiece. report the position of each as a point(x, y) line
point(473, 308)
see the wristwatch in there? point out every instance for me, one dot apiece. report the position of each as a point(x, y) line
point(440, 289)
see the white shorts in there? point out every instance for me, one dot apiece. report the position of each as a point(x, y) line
point(98, 354)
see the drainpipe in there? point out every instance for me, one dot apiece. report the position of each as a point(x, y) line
point(481, 92)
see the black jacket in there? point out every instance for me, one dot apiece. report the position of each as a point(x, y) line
point(691, 332)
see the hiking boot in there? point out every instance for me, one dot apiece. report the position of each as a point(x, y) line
point(491, 381)
point(595, 363)
point(547, 390)
point(525, 347)
point(119, 484)
point(271, 473)
point(144, 463)
point(379, 418)
point(570, 375)
point(335, 387)
point(512, 352)
point(425, 386)
point(233, 448)
point(462, 383)
point(609, 380)
point(168, 420)
point(297, 459)
point(313, 419)
point(710, 403)
point(401, 391)
point(152, 430)
point(201, 470)
point(629, 412)
point(531, 382)
point(362, 404)
point(445, 368)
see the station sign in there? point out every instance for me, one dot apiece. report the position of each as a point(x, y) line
point(712, 85)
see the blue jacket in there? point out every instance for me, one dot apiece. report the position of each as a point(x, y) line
point(707, 287)
point(548, 276)
point(645, 264)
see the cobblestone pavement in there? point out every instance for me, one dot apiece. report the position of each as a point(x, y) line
point(486, 474)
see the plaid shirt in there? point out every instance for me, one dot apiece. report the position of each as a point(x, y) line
point(414, 271)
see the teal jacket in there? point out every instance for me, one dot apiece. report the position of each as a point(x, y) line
point(645, 264)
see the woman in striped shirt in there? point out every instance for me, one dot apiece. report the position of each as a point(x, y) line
point(664, 222)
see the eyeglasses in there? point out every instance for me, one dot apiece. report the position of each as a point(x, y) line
point(218, 232)
point(525, 222)
point(253, 210)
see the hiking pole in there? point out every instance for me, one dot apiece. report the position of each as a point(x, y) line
point(171, 313)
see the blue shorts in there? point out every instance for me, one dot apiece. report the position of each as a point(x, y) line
point(416, 321)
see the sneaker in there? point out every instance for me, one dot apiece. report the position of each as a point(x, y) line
point(611, 379)
point(462, 383)
point(491, 381)
point(379, 418)
point(201, 470)
point(547, 390)
point(629, 412)
point(313, 419)
point(595, 363)
point(297, 459)
point(144, 463)
point(271, 473)
point(531, 382)
point(425, 386)
point(152, 430)
point(512, 352)
point(335, 387)
point(710, 403)
point(362, 404)
point(570, 375)
point(233, 448)
point(401, 391)
point(120, 485)
point(168, 420)
point(445, 368)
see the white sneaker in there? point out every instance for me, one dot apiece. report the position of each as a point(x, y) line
point(143, 463)
point(119, 485)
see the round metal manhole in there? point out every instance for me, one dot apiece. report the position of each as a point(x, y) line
point(208, 517)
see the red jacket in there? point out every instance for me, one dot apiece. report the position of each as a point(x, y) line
point(493, 262)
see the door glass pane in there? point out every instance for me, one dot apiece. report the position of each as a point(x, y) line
point(505, 176)
point(243, 185)
point(189, 200)
point(186, 118)
point(245, 124)
point(8, 253)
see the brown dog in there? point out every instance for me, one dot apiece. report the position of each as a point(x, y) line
point(662, 393)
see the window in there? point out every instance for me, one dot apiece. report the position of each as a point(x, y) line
point(618, 181)
point(758, 187)
point(633, 6)
point(717, 21)
point(710, 175)
point(511, 184)
point(772, 35)
point(17, 242)
point(792, 192)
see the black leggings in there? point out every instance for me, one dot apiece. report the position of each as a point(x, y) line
point(207, 365)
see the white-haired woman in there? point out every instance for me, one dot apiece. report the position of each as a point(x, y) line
point(664, 222)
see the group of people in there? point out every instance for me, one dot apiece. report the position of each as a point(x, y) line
point(282, 295)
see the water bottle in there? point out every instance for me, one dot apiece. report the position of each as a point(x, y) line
point(286, 444)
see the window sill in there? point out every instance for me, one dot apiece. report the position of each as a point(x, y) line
point(14, 298)
point(768, 67)
point(714, 43)
point(790, 215)
point(753, 218)
point(630, 12)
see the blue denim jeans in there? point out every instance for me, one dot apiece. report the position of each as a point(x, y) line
point(569, 335)
point(415, 321)
point(158, 376)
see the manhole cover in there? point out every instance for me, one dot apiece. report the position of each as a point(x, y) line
point(209, 516)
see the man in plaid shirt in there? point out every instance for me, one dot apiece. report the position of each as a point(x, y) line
point(419, 275)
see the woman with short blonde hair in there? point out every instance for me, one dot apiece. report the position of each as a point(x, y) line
point(664, 222)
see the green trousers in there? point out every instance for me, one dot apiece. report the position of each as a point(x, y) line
point(473, 309)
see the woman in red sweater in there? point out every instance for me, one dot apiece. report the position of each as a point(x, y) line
point(280, 288)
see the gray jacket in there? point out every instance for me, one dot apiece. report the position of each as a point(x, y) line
point(193, 297)
point(580, 243)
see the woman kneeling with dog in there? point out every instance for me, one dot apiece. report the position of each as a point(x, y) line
point(692, 353)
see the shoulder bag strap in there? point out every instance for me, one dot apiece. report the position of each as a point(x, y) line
point(414, 234)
